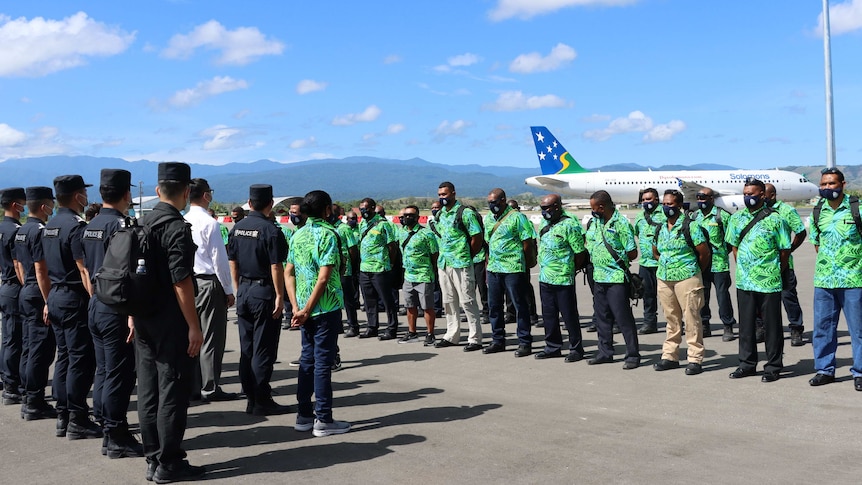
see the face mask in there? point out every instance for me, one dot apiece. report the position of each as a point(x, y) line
point(131, 212)
point(85, 202)
point(831, 194)
point(597, 215)
point(443, 201)
point(669, 211)
point(547, 215)
point(332, 219)
point(702, 204)
point(409, 221)
point(649, 206)
point(352, 222)
point(296, 220)
point(495, 207)
point(434, 212)
point(751, 200)
point(366, 214)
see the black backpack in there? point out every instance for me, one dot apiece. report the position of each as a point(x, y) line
point(854, 211)
point(459, 223)
point(117, 283)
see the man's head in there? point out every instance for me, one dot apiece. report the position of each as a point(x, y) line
point(316, 203)
point(200, 193)
point(297, 217)
point(514, 204)
point(552, 207)
point(446, 195)
point(410, 216)
point(237, 214)
point(649, 199)
point(40, 202)
point(71, 192)
point(336, 214)
point(174, 180)
point(352, 219)
point(435, 208)
point(367, 208)
point(672, 203)
point(832, 184)
point(91, 211)
point(602, 205)
point(497, 201)
point(753, 194)
point(13, 201)
point(260, 198)
point(379, 210)
point(705, 199)
point(115, 188)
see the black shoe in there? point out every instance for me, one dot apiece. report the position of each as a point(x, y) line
point(387, 336)
point(665, 364)
point(121, 444)
point(220, 396)
point(62, 424)
point(646, 330)
point(615, 328)
point(41, 410)
point(820, 380)
point(249, 407)
point(509, 319)
point(80, 429)
point(351, 332)
point(728, 335)
point(548, 355)
point(534, 321)
point(574, 357)
point(494, 348)
point(693, 369)
point(371, 332)
point(463, 318)
point(796, 339)
point(179, 473)
point(769, 377)
point(472, 347)
point(104, 449)
point(523, 351)
point(739, 373)
point(443, 343)
point(591, 328)
point(707, 331)
point(269, 408)
point(600, 360)
point(857, 383)
point(631, 365)
point(151, 469)
point(10, 398)
point(429, 340)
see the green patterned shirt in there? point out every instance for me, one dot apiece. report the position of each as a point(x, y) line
point(417, 254)
point(506, 243)
point(646, 235)
point(720, 254)
point(677, 260)
point(454, 244)
point(348, 240)
point(758, 263)
point(374, 247)
point(315, 245)
point(621, 236)
point(288, 233)
point(557, 250)
point(839, 252)
point(794, 222)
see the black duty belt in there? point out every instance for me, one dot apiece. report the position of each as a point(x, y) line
point(206, 276)
point(255, 281)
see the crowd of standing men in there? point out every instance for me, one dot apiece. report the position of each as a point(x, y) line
point(305, 277)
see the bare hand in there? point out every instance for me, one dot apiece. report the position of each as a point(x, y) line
point(231, 300)
point(279, 308)
point(131, 330)
point(45, 315)
point(196, 339)
point(299, 318)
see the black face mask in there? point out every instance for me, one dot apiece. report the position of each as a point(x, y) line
point(409, 220)
point(332, 219)
point(352, 222)
point(367, 214)
point(496, 207)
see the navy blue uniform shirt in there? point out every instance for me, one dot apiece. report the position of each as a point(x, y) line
point(28, 248)
point(97, 234)
point(8, 228)
point(254, 244)
point(61, 244)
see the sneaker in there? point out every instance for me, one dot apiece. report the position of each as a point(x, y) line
point(336, 365)
point(303, 424)
point(429, 340)
point(326, 429)
point(408, 338)
point(293, 363)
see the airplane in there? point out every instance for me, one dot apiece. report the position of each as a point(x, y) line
point(561, 173)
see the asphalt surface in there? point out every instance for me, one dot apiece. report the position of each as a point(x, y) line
point(446, 416)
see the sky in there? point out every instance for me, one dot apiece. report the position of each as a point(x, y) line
point(654, 82)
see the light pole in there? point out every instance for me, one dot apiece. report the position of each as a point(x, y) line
point(830, 119)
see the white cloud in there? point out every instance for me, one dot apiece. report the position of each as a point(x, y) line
point(446, 129)
point(560, 55)
point(206, 89)
point(241, 114)
point(638, 122)
point(42, 46)
point(10, 136)
point(518, 101)
point(237, 47)
point(309, 86)
point(596, 118)
point(843, 17)
point(297, 144)
point(43, 141)
point(525, 9)
point(461, 60)
point(222, 137)
point(395, 128)
point(392, 59)
point(371, 113)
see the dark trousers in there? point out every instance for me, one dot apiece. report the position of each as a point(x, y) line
point(612, 306)
point(258, 339)
point(513, 284)
point(648, 274)
point(790, 299)
point(530, 294)
point(164, 383)
point(378, 287)
point(721, 281)
point(319, 348)
point(67, 311)
point(557, 299)
point(351, 301)
point(13, 340)
point(115, 365)
point(768, 305)
point(41, 344)
point(481, 277)
point(438, 297)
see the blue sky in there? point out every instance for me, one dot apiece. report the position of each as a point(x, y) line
point(456, 82)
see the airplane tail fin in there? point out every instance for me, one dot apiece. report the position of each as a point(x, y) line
point(553, 157)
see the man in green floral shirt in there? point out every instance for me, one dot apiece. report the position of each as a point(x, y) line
point(561, 253)
point(350, 254)
point(682, 254)
point(837, 278)
point(314, 289)
point(610, 291)
point(378, 248)
point(511, 252)
point(715, 220)
point(419, 256)
point(647, 223)
point(761, 245)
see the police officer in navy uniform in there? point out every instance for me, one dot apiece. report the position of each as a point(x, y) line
point(41, 344)
point(168, 340)
point(67, 309)
point(112, 332)
point(12, 200)
point(256, 253)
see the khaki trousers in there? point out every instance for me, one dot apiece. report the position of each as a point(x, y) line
point(682, 300)
point(458, 287)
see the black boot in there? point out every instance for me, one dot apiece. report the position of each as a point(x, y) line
point(121, 443)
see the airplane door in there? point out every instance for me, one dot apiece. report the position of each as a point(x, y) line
point(785, 183)
point(590, 187)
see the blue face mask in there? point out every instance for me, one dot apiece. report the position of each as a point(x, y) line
point(831, 194)
point(332, 219)
point(547, 215)
point(434, 212)
point(131, 212)
point(352, 222)
point(751, 200)
point(496, 207)
point(296, 220)
point(669, 211)
point(366, 214)
point(443, 201)
point(598, 216)
point(701, 204)
point(649, 206)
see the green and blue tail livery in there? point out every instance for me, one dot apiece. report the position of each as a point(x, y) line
point(553, 157)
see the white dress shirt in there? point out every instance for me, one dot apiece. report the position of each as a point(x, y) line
point(211, 255)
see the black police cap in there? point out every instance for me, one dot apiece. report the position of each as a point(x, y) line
point(12, 194)
point(39, 193)
point(176, 171)
point(115, 177)
point(69, 184)
point(260, 192)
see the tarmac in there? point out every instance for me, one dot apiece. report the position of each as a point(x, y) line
point(446, 416)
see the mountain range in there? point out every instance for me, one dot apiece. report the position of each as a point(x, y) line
point(345, 179)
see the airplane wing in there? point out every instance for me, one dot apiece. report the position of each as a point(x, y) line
point(688, 188)
point(551, 181)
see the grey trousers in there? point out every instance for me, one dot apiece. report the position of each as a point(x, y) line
point(211, 305)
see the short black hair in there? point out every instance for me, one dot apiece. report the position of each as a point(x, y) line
point(756, 182)
point(34, 205)
point(199, 187)
point(833, 171)
point(92, 211)
point(238, 209)
point(314, 203)
point(602, 197)
point(258, 205)
point(111, 194)
point(369, 201)
point(650, 190)
point(172, 188)
point(66, 200)
point(352, 215)
point(448, 185)
point(413, 207)
point(677, 195)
